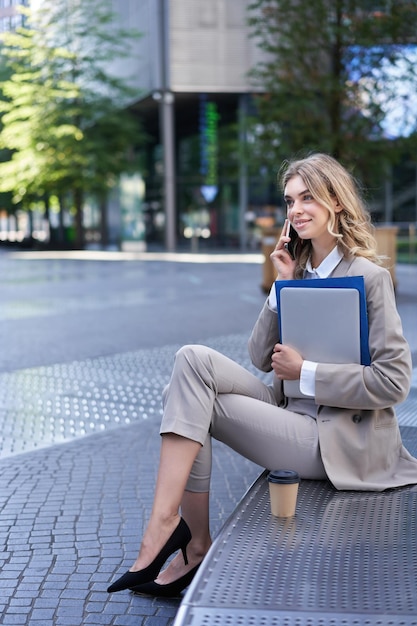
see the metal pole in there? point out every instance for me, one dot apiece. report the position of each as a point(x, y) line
point(168, 141)
point(243, 173)
point(167, 131)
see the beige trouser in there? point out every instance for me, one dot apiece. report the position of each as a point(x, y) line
point(209, 395)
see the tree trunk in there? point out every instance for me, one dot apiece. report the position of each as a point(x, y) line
point(47, 211)
point(337, 91)
point(79, 228)
point(61, 231)
point(104, 222)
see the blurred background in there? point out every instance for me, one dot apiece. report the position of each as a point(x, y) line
point(161, 124)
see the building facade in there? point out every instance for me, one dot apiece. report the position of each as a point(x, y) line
point(191, 65)
point(10, 18)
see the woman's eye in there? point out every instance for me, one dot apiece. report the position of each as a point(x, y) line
point(289, 204)
point(307, 197)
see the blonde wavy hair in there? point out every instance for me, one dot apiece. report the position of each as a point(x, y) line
point(326, 179)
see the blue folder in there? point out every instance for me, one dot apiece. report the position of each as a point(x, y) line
point(344, 282)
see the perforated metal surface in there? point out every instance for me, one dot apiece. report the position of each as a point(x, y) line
point(345, 558)
point(46, 405)
point(407, 411)
point(231, 617)
point(51, 404)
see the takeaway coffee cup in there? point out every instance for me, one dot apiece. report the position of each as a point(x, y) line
point(283, 490)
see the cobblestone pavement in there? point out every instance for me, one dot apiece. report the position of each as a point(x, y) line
point(87, 346)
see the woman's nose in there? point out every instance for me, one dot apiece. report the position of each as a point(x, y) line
point(296, 209)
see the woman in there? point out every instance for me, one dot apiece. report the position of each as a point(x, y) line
point(344, 431)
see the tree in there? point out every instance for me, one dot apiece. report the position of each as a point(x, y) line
point(65, 115)
point(326, 81)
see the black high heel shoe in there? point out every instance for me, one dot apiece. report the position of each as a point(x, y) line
point(171, 590)
point(179, 540)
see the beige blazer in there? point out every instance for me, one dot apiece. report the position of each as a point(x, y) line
point(359, 437)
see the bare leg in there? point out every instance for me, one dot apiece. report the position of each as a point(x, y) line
point(195, 511)
point(176, 459)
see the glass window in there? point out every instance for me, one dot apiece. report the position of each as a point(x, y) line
point(235, 14)
point(207, 14)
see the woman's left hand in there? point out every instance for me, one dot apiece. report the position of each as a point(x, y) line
point(286, 362)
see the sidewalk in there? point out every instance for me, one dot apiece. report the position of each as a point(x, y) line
point(74, 506)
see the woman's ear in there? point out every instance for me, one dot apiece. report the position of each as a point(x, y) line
point(337, 207)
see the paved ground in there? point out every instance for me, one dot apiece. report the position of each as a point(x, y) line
point(87, 345)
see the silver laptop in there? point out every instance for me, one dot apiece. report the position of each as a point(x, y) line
point(322, 324)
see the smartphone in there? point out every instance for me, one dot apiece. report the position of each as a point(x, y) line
point(291, 244)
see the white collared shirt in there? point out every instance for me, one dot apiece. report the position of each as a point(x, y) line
point(326, 267)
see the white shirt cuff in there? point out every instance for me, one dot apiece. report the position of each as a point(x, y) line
point(308, 378)
point(272, 299)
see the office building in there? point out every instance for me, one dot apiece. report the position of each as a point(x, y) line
point(10, 18)
point(191, 64)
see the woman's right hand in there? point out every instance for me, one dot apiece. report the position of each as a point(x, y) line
point(281, 258)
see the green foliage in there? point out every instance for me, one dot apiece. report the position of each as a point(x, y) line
point(65, 116)
point(325, 79)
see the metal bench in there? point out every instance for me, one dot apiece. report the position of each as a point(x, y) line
point(346, 558)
